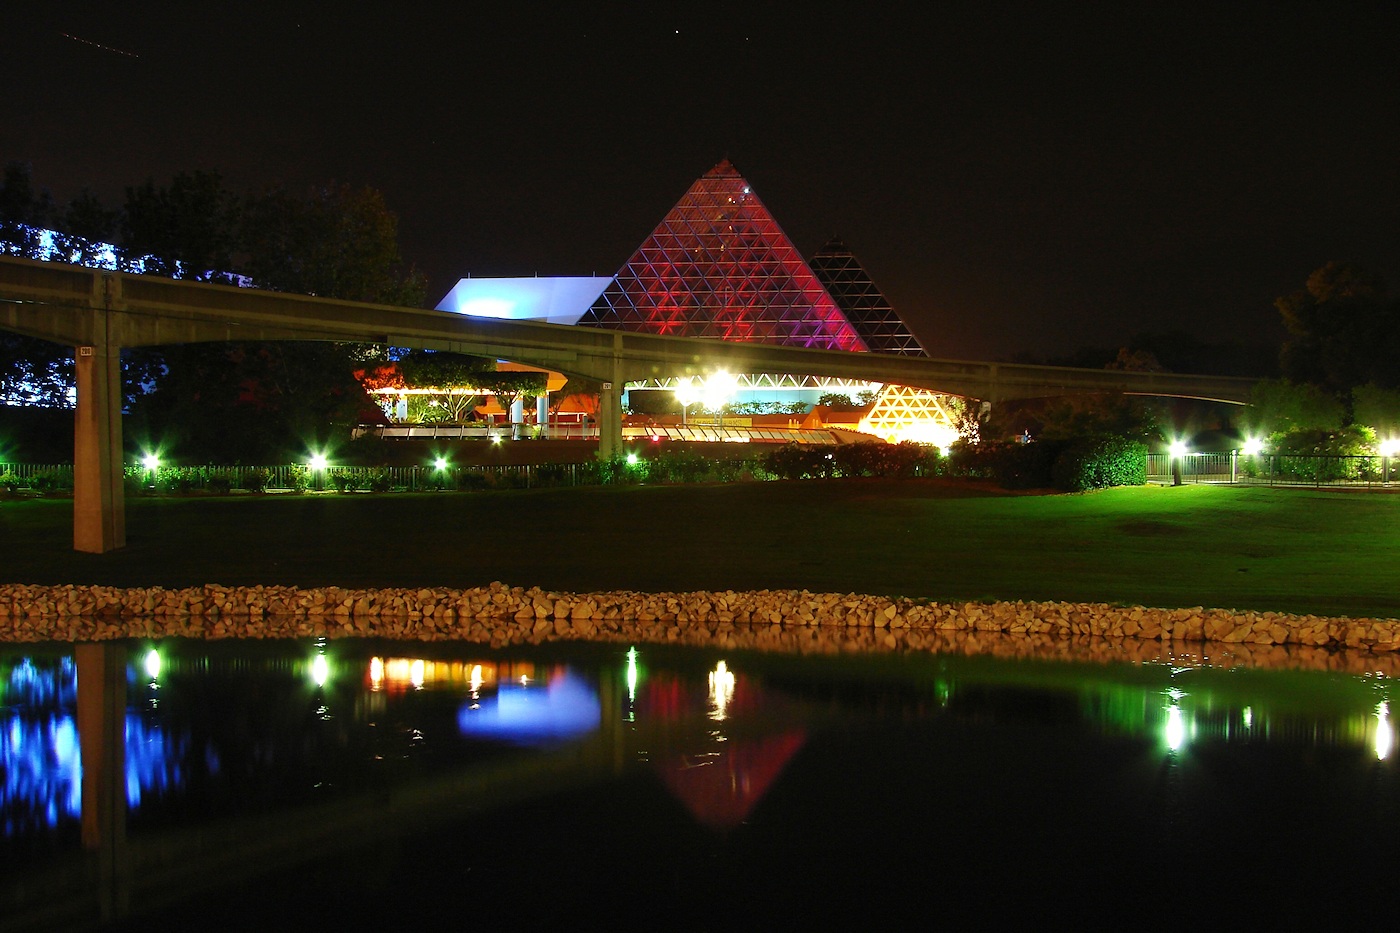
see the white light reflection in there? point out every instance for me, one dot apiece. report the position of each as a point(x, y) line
point(376, 674)
point(1176, 728)
point(475, 681)
point(416, 673)
point(721, 690)
point(632, 684)
point(153, 664)
point(320, 670)
point(1385, 736)
point(1249, 717)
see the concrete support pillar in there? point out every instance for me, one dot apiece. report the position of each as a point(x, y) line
point(99, 509)
point(610, 421)
point(102, 743)
point(610, 407)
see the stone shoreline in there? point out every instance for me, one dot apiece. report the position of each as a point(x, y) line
point(779, 620)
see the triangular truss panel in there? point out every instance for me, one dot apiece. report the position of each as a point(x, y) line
point(719, 266)
point(904, 414)
point(863, 304)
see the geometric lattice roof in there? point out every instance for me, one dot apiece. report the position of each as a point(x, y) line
point(863, 304)
point(719, 266)
point(901, 413)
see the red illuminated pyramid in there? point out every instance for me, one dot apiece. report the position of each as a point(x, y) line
point(719, 266)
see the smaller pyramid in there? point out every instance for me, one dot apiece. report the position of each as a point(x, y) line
point(719, 266)
point(864, 305)
point(902, 413)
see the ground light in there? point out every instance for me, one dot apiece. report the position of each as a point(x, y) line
point(631, 459)
point(1252, 447)
point(150, 461)
point(318, 462)
point(440, 464)
point(1390, 447)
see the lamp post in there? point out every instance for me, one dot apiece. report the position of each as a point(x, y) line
point(1177, 451)
point(687, 394)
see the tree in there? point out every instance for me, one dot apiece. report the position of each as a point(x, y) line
point(188, 230)
point(1343, 329)
point(1378, 409)
point(1279, 407)
point(338, 242)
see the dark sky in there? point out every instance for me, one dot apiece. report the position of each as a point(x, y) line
point(1016, 177)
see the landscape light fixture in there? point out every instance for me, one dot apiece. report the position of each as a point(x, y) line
point(1252, 447)
point(1177, 449)
point(1390, 448)
point(318, 462)
point(440, 464)
point(150, 461)
point(631, 459)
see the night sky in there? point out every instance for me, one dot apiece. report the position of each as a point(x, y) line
point(1023, 177)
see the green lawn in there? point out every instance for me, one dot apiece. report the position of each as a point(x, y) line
point(1335, 553)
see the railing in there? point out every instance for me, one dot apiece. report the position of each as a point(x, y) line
point(1274, 469)
point(695, 431)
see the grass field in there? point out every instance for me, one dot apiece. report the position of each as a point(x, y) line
point(1325, 552)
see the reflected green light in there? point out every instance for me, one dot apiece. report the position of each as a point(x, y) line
point(153, 664)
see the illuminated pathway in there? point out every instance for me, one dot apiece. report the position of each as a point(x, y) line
point(99, 312)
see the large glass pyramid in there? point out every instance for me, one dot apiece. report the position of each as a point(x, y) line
point(719, 266)
point(864, 305)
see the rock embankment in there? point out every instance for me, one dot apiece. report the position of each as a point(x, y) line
point(503, 615)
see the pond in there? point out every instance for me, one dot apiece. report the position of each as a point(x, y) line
point(333, 785)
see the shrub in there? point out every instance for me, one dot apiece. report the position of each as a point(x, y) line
point(345, 480)
point(220, 482)
point(9, 482)
point(551, 474)
point(380, 480)
point(47, 481)
point(298, 478)
point(1100, 462)
point(256, 479)
point(471, 480)
point(793, 462)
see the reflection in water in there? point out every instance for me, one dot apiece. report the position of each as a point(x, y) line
point(247, 731)
point(1384, 735)
point(566, 708)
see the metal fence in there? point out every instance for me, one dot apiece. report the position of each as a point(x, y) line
point(299, 477)
point(1273, 469)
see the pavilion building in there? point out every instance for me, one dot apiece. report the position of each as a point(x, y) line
point(719, 266)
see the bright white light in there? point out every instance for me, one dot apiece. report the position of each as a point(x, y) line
point(686, 392)
point(150, 461)
point(416, 672)
point(631, 675)
point(1390, 447)
point(376, 673)
point(1252, 446)
point(440, 463)
point(495, 438)
point(631, 459)
point(1385, 735)
point(475, 680)
point(719, 387)
point(1178, 448)
point(320, 670)
point(721, 690)
point(153, 664)
point(318, 462)
point(1176, 728)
